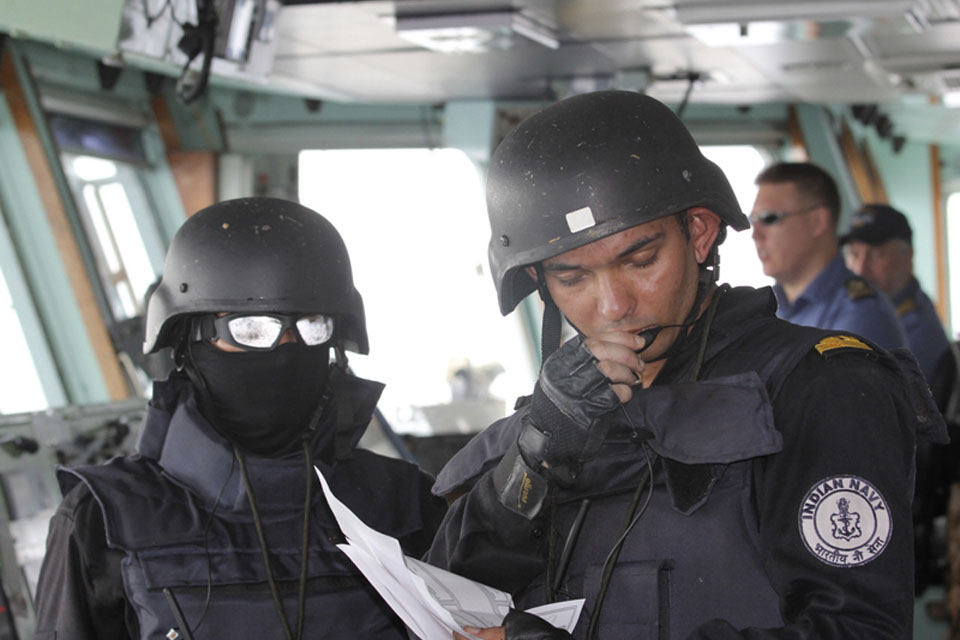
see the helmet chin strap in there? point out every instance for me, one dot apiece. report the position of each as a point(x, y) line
point(551, 327)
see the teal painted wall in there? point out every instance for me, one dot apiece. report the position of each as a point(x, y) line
point(56, 335)
point(85, 24)
point(63, 326)
point(819, 134)
point(908, 178)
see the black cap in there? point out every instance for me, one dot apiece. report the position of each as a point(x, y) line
point(876, 223)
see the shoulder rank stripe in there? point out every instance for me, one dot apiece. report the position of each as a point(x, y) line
point(906, 306)
point(858, 288)
point(841, 342)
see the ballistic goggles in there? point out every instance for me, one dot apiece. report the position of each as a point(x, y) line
point(262, 331)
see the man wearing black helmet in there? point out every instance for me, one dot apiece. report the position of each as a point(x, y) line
point(216, 527)
point(690, 465)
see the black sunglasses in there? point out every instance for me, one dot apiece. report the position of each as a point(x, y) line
point(770, 218)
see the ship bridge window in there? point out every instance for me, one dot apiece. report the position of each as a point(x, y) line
point(739, 264)
point(20, 387)
point(415, 225)
point(105, 191)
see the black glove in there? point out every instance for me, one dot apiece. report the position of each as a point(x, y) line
point(520, 625)
point(567, 423)
point(568, 417)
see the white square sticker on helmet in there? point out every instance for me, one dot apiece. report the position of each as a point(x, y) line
point(580, 219)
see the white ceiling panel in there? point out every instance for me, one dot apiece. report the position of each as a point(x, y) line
point(810, 50)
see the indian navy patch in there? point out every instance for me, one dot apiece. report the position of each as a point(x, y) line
point(844, 521)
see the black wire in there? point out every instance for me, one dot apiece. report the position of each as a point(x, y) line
point(611, 560)
point(173, 15)
point(568, 546)
point(207, 18)
point(151, 18)
point(301, 593)
point(711, 312)
point(551, 549)
point(168, 4)
point(206, 547)
point(691, 79)
point(263, 542)
point(610, 563)
point(177, 612)
point(258, 524)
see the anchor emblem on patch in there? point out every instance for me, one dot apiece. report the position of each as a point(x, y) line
point(844, 521)
point(846, 524)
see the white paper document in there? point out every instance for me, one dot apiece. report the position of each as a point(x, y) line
point(432, 602)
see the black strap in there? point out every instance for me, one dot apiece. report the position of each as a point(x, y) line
point(550, 331)
point(177, 613)
point(258, 524)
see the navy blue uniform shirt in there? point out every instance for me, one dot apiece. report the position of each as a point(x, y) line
point(839, 299)
point(925, 335)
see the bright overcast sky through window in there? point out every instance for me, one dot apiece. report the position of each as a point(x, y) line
point(739, 264)
point(416, 228)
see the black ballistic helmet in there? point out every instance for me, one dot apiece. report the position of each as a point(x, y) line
point(256, 255)
point(588, 167)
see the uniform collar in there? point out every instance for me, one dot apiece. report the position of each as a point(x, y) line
point(178, 437)
point(909, 292)
point(830, 278)
point(739, 309)
point(695, 446)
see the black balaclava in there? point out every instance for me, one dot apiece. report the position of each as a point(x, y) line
point(263, 401)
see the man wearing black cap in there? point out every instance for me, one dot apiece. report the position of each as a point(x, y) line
point(879, 248)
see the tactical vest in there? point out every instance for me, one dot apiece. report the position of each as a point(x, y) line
point(693, 554)
point(189, 549)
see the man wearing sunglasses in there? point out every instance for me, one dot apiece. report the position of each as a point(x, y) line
point(216, 527)
point(794, 221)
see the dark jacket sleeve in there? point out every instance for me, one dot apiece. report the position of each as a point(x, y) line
point(80, 593)
point(483, 540)
point(432, 510)
point(846, 415)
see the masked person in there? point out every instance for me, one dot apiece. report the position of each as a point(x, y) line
point(691, 465)
point(216, 527)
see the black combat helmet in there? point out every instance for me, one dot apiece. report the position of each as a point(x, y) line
point(588, 167)
point(256, 255)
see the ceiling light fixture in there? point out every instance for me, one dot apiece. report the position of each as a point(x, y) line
point(762, 10)
point(951, 99)
point(729, 34)
point(472, 32)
